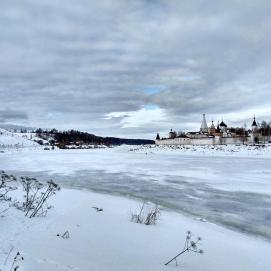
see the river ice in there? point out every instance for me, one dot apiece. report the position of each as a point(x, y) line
point(231, 189)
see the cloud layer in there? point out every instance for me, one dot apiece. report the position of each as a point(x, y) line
point(104, 66)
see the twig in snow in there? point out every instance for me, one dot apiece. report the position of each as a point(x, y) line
point(98, 209)
point(65, 235)
point(6, 260)
point(189, 246)
point(16, 259)
point(147, 215)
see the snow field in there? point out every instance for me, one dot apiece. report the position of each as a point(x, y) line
point(107, 240)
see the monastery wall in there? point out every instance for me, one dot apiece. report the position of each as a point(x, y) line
point(234, 140)
point(186, 141)
point(204, 141)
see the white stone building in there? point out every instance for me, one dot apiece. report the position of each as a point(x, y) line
point(212, 135)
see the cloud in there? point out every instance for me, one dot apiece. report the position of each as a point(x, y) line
point(140, 118)
point(69, 64)
point(12, 115)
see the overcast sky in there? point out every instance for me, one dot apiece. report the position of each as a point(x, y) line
point(134, 68)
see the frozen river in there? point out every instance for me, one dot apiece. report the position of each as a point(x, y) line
point(230, 190)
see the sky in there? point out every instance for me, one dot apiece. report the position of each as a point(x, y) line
point(134, 68)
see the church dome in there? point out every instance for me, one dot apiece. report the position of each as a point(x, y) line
point(222, 124)
point(254, 122)
point(212, 126)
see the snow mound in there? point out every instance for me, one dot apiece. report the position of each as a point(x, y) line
point(12, 140)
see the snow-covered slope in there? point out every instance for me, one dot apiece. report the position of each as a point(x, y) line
point(109, 241)
point(12, 140)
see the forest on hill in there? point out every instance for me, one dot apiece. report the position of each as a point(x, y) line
point(74, 137)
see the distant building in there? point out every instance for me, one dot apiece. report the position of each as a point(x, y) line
point(254, 128)
point(204, 127)
point(172, 134)
point(213, 135)
point(212, 129)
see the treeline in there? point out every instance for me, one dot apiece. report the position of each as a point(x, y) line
point(265, 128)
point(238, 131)
point(74, 137)
point(120, 141)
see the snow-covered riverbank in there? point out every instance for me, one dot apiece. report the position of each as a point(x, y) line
point(107, 240)
point(228, 190)
point(226, 199)
point(253, 151)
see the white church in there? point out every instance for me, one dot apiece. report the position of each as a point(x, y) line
point(213, 135)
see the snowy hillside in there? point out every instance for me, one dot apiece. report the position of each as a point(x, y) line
point(12, 140)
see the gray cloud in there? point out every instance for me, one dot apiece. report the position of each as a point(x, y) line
point(12, 115)
point(69, 63)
